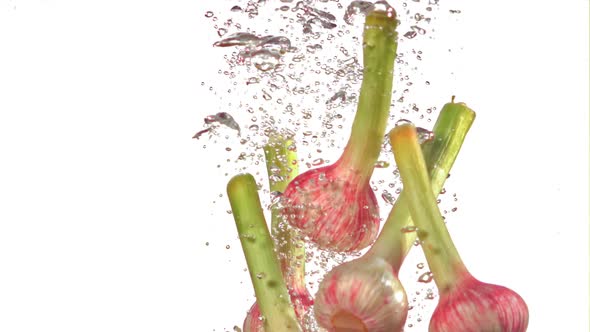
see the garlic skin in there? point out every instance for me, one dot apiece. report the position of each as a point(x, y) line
point(253, 321)
point(301, 300)
point(474, 306)
point(365, 291)
point(334, 207)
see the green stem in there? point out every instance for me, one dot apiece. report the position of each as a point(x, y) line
point(442, 256)
point(451, 127)
point(281, 165)
point(265, 272)
point(368, 129)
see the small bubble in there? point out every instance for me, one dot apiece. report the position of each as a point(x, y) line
point(424, 135)
point(402, 122)
point(410, 34)
point(409, 229)
point(298, 58)
point(418, 29)
point(260, 275)
point(388, 197)
point(381, 164)
point(313, 48)
point(340, 96)
point(236, 9)
point(252, 80)
point(425, 277)
point(209, 14)
point(356, 9)
point(317, 162)
point(227, 246)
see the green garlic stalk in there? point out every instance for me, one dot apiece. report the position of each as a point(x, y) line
point(258, 247)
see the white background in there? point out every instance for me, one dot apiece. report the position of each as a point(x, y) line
point(105, 201)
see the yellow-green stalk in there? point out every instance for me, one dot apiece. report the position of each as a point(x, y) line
point(258, 247)
point(335, 205)
point(281, 165)
point(366, 292)
point(466, 304)
point(451, 127)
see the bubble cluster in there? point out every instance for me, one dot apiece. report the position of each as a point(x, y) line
point(296, 67)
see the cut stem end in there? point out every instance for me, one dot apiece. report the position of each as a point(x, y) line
point(347, 322)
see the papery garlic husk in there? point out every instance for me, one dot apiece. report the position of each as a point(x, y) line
point(334, 207)
point(474, 306)
point(364, 294)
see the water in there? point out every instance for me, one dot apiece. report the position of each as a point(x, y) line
point(425, 277)
point(238, 39)
point(424, 135)
point(221, 118)
point(296, 67)
point(357, 9)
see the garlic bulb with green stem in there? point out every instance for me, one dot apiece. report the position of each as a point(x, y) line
point(334, 206)
point(272, 295)
point(466, 304)
point(366, 292)
point(281, 164)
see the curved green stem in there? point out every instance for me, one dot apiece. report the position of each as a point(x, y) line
point(265, 272)
point(451, 127)
point(282, 167)
point(442, 256)
point(368, 129)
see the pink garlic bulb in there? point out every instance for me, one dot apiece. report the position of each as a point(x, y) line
point(466, 304)
point(334, 206)
point(301, 300)
point(361, 295)
point(474, 306)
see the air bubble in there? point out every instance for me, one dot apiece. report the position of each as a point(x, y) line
point(317, 162)
point(410, 34)
point(425, 277)
point(221, 32)
point(381, 164)
point(418, 29)
point(388, 197)
point(409, 229)
point(424, 135)
point(402, 122)
point(356, 9)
